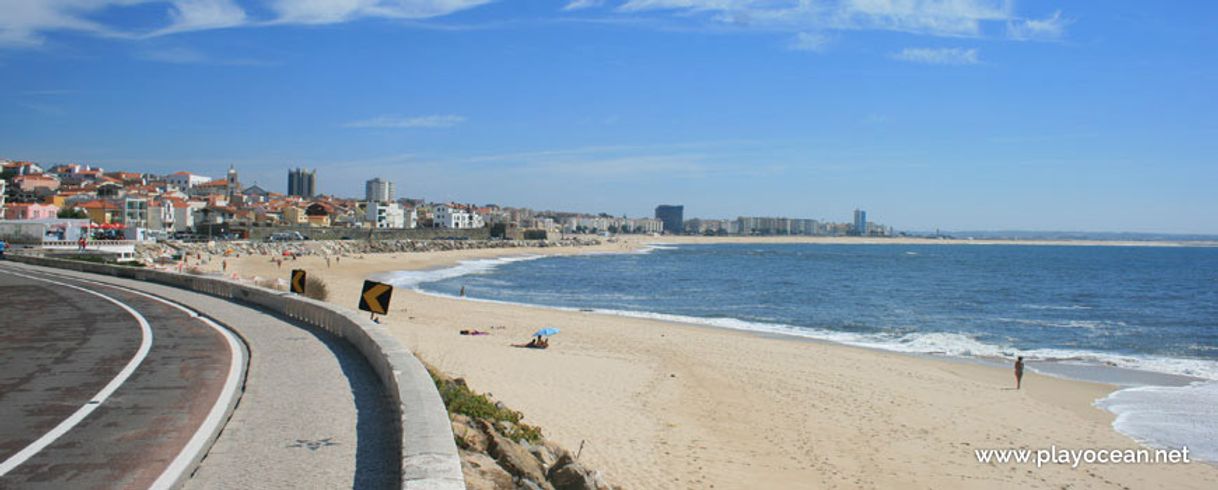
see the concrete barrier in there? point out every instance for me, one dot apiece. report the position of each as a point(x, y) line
point(429, 453)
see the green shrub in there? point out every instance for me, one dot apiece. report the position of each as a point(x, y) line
point(458, 398)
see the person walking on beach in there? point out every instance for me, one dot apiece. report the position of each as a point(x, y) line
point(462, 291)
point(1018, 372)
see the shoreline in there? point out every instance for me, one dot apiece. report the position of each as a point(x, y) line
point(1072, 369)
point(672, 405)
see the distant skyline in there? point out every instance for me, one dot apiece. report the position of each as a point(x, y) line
point(1088, 116)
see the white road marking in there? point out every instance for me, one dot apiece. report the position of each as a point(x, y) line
point(236, 372)
point(101, 396)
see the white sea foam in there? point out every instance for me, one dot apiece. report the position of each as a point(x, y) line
point(1056, 307)
point(652, 247)
point(1087, 324)
point(1169, 417)
point(946, 343)
point(412, 279)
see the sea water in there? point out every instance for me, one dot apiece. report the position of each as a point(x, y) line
point(1144, 308)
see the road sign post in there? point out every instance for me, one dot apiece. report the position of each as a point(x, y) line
point(298, 281)
point(375, 298)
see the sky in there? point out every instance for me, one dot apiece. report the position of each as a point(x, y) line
point(952, 114)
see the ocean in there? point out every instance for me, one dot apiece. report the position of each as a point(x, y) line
point(1152, 309)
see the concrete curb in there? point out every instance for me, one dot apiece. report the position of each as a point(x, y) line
point(429, 452)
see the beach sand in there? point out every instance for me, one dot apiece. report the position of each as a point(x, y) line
point(667, 405)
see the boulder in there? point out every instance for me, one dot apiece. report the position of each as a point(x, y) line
point(527, 484)
point(567, 474)
point(555, 449)
point(543, 455)
point(513, 457)
point(468, 435)
point(481, 472)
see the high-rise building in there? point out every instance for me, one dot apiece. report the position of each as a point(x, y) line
point(673, 218)
point(860, 223)
point(378, 190)
point(302, 183)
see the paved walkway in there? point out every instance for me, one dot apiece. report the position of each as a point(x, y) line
point(313, 414)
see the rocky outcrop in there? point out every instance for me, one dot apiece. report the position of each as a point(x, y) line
point(482, 473)
point(490, 458)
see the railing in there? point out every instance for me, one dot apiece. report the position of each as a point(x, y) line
point(429, 458)
point(88, 243)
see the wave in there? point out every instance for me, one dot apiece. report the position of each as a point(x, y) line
point(1056, 307)
point(652, 247)
point(1085, 324)
point(412, 279)
point(941, 343)
point(1169, 417)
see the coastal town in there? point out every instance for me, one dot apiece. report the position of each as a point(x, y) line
point(72, 201)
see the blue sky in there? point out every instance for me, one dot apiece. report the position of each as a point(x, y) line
point(954, 114)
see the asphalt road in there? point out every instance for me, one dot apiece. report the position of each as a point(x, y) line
point(101, 387)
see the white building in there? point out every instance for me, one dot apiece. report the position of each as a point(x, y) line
point(390, 215)
point(135, 212)
point(645, 225)
point(454, 216)
point(186, 180)
point(378, 189)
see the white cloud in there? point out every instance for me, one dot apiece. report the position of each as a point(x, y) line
point(931, 17)
point(24, 23)
point(936, 17)
point(939, 56)
point(192, 15)
point(400, 122)
point(1048, 29)
point(332, 11)
point(804, 41)
point(583, 4)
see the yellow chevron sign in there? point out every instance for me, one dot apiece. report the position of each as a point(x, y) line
point(298, 281)
point(375, 297)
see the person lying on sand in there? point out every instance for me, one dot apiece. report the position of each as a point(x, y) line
point(537, 343)
point(474, 332)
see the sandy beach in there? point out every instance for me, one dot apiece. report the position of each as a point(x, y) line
point(667, 405)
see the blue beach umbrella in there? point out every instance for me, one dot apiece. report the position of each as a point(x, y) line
point(546, 332)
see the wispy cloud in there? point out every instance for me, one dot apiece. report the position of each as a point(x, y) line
point(328, 12)
point(1048, 29)
point(805, 41)
point(24, 23)
point(400, 122)
point(583, 4)
point(194, 15)
point(939, 56)
point(930, 17)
